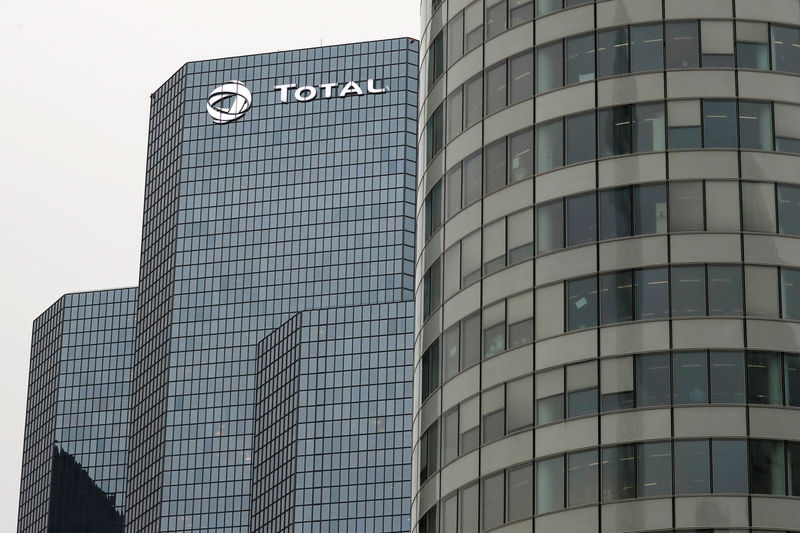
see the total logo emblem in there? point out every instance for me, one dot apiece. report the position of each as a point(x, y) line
point(238, 98)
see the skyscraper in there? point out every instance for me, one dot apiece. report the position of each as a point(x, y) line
point(279, 194)
point(608, 213)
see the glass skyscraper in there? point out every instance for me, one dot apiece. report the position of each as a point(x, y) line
point(269, 211)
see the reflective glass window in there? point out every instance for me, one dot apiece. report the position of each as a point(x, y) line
point(434, 133)
point(550, 484)
point(470, 341)
point(521, 155)
point(654, 469)
point(550, 396)
point(764, 379)
point(449, 512)
point(719, 124)
point(582, 389)
point(615, 213)
point(616, 383)
point(717, 43)
point(520, 11)
point(449, 436)
point(430, 370)
point(618, 473)
point(494, 329)
point(496, 17)
point(436, 59)
point(519, 404)
point(793, 468)
point(455, 116)
point(455, 38)
point(649, 209)
point(473, 102)
point(729, 464)
point(453, 191)
point(581, 219)
point(789, 209)
point(652, 380)
point(432, 289)
point(649, 128)
point(451, 281)
point(469, 423)
point(758, 207)
point(450, 352)
point(495, 171)
point(688, 291)
point(494, 247)
point(686, 206)
point(727, 377)
point(521, 77)
point(684, 124)
point(767, 467)
point(755, 125)
point(520, 236)
point(682, 44)
point(651, 293)
point(762, 291)
point(496, 88)
point(468, 506)
point(547, 6)
point(493, 498)
point(616, 297)
point(520, 320)
point(752, 45)
point(473, 26)
point(582, 477)
point(472, 187)
point(582, 303)
point(647, 47)
point(791, 372)
point(520, 492)
point(690, 377)
point(549, 67)
point(612, 52)
point(692, 467)
point(471, 258)
point(580, 138)
point(614, 128)
point(433, 210)
point(725, 290)
point(580, 58)
point(549, 146)
point(550, 226)
point(787, 127)
point(786, 48)
point(493, 414)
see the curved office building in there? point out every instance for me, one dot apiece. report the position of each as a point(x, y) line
point(608, 267)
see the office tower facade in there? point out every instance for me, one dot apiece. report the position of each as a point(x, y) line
point(75, 454)
point(608, 213)
point(276, 184)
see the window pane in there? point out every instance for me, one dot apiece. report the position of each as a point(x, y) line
point(752, 45)
point(791, 371)
point(614, 131)
point(651, 293)
point(493, 500)
point(580, 138)
point(453, 191)
point(472, 188)
point(550, 227)
point(494, 247)
point(793, 468)
point(469, 422)
point(727, 377)
point(495, 17)
point(521, 77)
point(547, 6)
point(786, 48)
point(684, 124)
point(582, 478)
point(647, 47)
point(451, 282)
point(455, 106)
point(582, 303)
point(615, 213)
point(690, 377)
point(788, 210)
point(790, 293)
point(764, 378)
point(618, 480)
point(549, 67)
point(581, 219)
point(473, 101)
point(494, 329)
point(550, 484)
point(549, 146)
point(582, 389)
point(725, 291)
point(521, 148)
point(762, 291)
point(436, 59)
point(649, 209)
point(468, 510)
point(692, 467)
point(450, 436)
point(455, 38)
point(550, 409)
point(473, 26)
point(755, 125)
point(580, 59)
point(729, 464)
point(719, 124)
point(433, 210)
point(434, 133)
point(470, 341)
point(495, 176)
point(654, 465)
point(787, 127)
point(520, 236)
point(521, 11)
point(767, 474)
point(450, 515)
point(686, 206)
point(616, 383)
point(722, 206)
point(616, 297)
point(519, 404)
point(652, 380)
point(758, 207)
point(550, 396)
point(492, 508)
point(430, 370)
point(717, 43)
point(432, 289)
point(495, 88)
point(520, 320)
point(471, 259)
point(450, 352)
point(649, 131)
point(520, 492)
point(682, 45)
point(612, 52)
point(688, 291)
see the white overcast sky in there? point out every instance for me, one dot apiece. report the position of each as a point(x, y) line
point(77, 77)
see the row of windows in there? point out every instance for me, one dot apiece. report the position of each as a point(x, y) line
point(621, 50)
point(626, 295)
point(587, 388)
point(614, 473)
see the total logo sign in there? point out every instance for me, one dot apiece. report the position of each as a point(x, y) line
point(231, 101)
